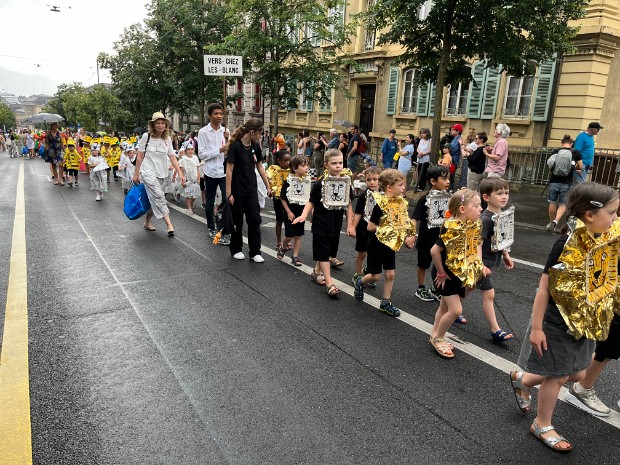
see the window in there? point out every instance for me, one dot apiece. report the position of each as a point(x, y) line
point(519, 96)
point(306, 97)
point(370, 34)
point(334, 15)
point(325, 103)
point(239, 105)
point(410, 92)
point(457, 99)
point(311, 36)
point(424, 9)
point(258, 107)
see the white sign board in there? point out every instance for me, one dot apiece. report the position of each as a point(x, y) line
point(223, 65)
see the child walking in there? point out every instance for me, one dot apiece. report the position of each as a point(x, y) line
point(126, 167)
point(294, 196)
point(389, 227)
point(277, 174)
point(328, 199)
point(98, 167)
point(494, 192)
point(457, 257)
point(190, 168)
point(573, 307)
point(72, 163)
point(428, 230)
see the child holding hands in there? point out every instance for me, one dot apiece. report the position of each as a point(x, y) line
point(294, 196)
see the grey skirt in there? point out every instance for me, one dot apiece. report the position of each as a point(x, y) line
point(564, 356)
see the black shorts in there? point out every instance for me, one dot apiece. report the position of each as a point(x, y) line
point(380, 257)
point(453, 286)
point(424, 258)
point(361, 237)
point(279, 210)
point(73, 172)
point(485, 284)
point(293, 230)
point(324, 247)
point(609, 349)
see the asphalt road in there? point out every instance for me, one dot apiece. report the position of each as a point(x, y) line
point(145, 349)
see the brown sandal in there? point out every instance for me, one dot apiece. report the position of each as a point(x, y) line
point(335, 263)
point(333, 291)
point(318, 278)
point(442, 347)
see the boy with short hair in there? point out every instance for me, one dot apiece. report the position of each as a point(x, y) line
point(389, 227)
point(439, 179)
point(495, 193)
point(327, 218)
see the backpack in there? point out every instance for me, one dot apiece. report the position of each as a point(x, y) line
point(363, 147)
point(561, 163)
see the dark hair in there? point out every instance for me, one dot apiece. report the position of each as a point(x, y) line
point(437, 171)
point(426, 131)
point(355, 127)
point(490, 185)
point(214, 106)
point(306, 132)
point(586, 196)
point(483, 137)
point(281, 153)
point(297, 161)
point(372, 170)
point(567, 139)
point(412, 137)
point(253, 124)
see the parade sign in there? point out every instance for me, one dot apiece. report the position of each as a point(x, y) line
point(223, 65)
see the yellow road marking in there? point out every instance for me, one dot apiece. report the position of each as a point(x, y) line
point(15, 433)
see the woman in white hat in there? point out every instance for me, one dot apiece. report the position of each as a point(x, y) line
point(151, 168)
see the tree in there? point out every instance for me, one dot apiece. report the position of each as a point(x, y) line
point(511, 34)
point(7, 117)
point(285, 42)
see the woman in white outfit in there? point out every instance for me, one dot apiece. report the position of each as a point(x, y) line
point(154, 151)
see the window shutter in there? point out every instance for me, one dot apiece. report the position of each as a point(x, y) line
point(474, 105)
point(543, 90)
point(491, 88)
point(422, 109)
point(308, 97)
point(326, 100)
point(291, 103)
point(431, 100)
point(392, 96)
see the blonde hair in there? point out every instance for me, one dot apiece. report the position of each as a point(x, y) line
point(167, 132)
point(332, 153)
point(390, 177)
point(461, 197)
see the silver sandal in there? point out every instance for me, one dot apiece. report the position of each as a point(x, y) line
point(517, 383)
point(552, 441)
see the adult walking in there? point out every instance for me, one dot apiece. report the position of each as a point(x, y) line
point(243, 157)
point(212, 141)
point(424, 157)
point(54, 149)
point(584, 143)
point(353, 150)
point(477, 162)
point(456, 150)
point(389, 149)
point(498, 156)
point(154, 149)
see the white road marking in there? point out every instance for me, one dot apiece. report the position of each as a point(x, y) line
point(524, 262)
point(473, 350)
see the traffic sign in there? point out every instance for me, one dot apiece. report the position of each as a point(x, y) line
point(223, 65)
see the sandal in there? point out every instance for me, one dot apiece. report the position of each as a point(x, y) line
point(148, 227)
point(280, 254)
point(449, 343)
point(289, 246)
point(502, 336)
point(524, 403)
point(318, 278)
point(461, 320)
point(552, 441)
point(335, 263)
point(442, 347)
point(333, 291)
point(296, 261)
point(171, 232)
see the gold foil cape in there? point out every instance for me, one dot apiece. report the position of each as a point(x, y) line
point(395, 225)
point(298, 189)
point(277, 176)
point(462, 239)
point(584, 285)
point(344, 172)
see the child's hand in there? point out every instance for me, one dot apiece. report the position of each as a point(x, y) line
point(486, 271)
point(440, 280)
point(291, 216)
point(508, 263)
point(538, 341)
point(351, 231)
point(299, 219)
point(410, 242)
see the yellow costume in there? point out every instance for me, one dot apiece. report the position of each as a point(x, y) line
point(85, 154)
point(344, 172)
point(462, 239)
point(395, 225)
point(72, 156)
point(115, 156)
point(277, 176)
point(584, 285)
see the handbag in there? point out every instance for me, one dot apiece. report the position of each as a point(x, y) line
point(136, 202)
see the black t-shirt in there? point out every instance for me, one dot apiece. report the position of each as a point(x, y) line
point(427, 237)
point(295, 208)
point(354, 138)
point(477, 161)
point(324, 222)
point(360, 206)
point(553, 259)
point(245, 160)
point(566, 179)
point(489, 258)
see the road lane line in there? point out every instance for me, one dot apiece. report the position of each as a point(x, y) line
point(473, 350)
point(524, 262)
point(15, 429)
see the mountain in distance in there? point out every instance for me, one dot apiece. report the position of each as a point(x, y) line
point(19, 83)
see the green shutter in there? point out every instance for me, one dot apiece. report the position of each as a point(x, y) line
point(491, 88)
point(431, 100)
point(422, 109)
point(543, 92)
point(309, 97)
point(474, 103)
point(392, 96)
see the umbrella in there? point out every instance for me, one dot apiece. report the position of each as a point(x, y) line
point(102, 133)
point(46, 118)
point(139, 130)
point(344, 123)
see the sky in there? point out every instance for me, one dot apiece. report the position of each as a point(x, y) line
point(62, 46)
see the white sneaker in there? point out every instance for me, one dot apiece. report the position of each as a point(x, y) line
point(586, 400)
point(98, 198)
point(239, 256)
point(551, 226)
point(258, 259)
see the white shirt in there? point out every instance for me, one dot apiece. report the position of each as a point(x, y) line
point(189, 165)
point(156, 155)
point(210, 142)
point(424, 146)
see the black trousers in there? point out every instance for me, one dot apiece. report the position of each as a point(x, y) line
point(246, 205)
point(211, 190)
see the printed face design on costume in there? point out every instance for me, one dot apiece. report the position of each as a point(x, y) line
point(601, 272)
point(335, 192)
point(436, 205)
point(504, 227)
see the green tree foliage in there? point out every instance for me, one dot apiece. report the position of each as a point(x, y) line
point(284, 42)
point(510, 33)
point(7, 117)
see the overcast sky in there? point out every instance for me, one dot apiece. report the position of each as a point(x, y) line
point(64, 45)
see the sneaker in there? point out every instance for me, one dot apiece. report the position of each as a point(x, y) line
point(354, 278)
point(551, 226)
point(387, 307)
point(239, 256)
point(358, 289)
point(77, 183)
point(212, 233)
point(586, 400)
point(436, 295)
point(98, 198)
point(365, 272)
point(424, 294)
point(225, 240)
point(258, 259)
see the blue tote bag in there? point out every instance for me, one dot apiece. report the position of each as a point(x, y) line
point(136, 203)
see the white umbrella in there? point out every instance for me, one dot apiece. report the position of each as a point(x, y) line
point(46, 118)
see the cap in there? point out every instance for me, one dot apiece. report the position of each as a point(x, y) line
point(458, 127)
point(595, 125)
